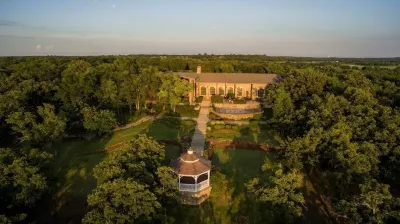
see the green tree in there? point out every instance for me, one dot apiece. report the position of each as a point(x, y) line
point(133, 185)
point(99, 121)
point(47, 126)
point(173, 89)
point(77, 84)
point(22, 181)
point(373, 204)
point(121, 201)
point(139, 88)
point(279, 187)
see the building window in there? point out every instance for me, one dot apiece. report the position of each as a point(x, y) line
point(212, 90)
point(239, 91)
point(230, 90)
point(221, 91)
point(260, 93)
point(203, 91)
point(254, 92)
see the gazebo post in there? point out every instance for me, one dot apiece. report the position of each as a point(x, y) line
point(195, 183)
point(179, 182)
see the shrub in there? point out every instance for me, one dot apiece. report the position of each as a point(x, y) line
point(217, 99)
point(212, 123)
point(186, 111)
point(219, 126)
point(239, 101)
point(228, 126)
point(220, 122)
point(208, 129)
point(213, 116)
point(170, 113)
point(235, 127)
point(230, 95)
point(157, 107)
point(199, 99)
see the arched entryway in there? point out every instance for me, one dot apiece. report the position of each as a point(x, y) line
point(221, 91)
point(212, 90)
point(203, 91)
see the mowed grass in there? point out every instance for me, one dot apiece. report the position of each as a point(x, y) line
point(253, 132)
point(233, 168)
point(73, 166)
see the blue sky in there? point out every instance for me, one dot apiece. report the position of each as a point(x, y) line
point(348, 28)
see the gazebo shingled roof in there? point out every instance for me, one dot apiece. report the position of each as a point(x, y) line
point(191, 164)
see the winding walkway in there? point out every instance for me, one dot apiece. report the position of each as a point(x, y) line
point(199, 137)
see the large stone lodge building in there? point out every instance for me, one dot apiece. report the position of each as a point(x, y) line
point(249, 85)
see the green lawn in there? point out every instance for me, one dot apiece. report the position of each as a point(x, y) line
point(73, 168)
point(254, 132)
point(227, 203)
point(170, 129)
point(187, 111)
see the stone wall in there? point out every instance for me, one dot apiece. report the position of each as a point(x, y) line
point(245, 110)
point(241, 106)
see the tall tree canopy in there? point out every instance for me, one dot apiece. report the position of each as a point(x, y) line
point(336, 124)
point(22, 181)
point(132, 185)
point(173, 89)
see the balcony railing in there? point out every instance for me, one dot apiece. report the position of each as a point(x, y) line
point(194, 187)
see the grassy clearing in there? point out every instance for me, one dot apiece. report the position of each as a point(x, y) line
point(170, 129)
point(253, 132)
point(73, 169)
point(227, 203)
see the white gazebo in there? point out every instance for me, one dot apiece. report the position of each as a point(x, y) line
point(193, 177)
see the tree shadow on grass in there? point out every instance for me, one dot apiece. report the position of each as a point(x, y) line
point(72, 182)
point(239, 166)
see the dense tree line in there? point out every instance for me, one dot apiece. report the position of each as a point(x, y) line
point(43, 99)
point(339, 121)
point(343, 126)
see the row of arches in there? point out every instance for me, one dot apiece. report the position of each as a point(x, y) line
point(221, 91)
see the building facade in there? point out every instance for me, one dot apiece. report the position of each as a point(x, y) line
point(241, 85)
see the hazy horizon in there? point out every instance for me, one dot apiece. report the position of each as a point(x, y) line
point(275, 28)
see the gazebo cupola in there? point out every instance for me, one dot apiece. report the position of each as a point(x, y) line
point(193, 177)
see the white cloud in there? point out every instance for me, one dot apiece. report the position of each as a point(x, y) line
point(38, 47)
point(114, 6)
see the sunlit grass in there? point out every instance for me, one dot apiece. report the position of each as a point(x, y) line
point(76, 159)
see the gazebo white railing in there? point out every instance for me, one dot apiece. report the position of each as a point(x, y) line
point(194, 187)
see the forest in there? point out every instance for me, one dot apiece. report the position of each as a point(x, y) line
point(339, 119)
